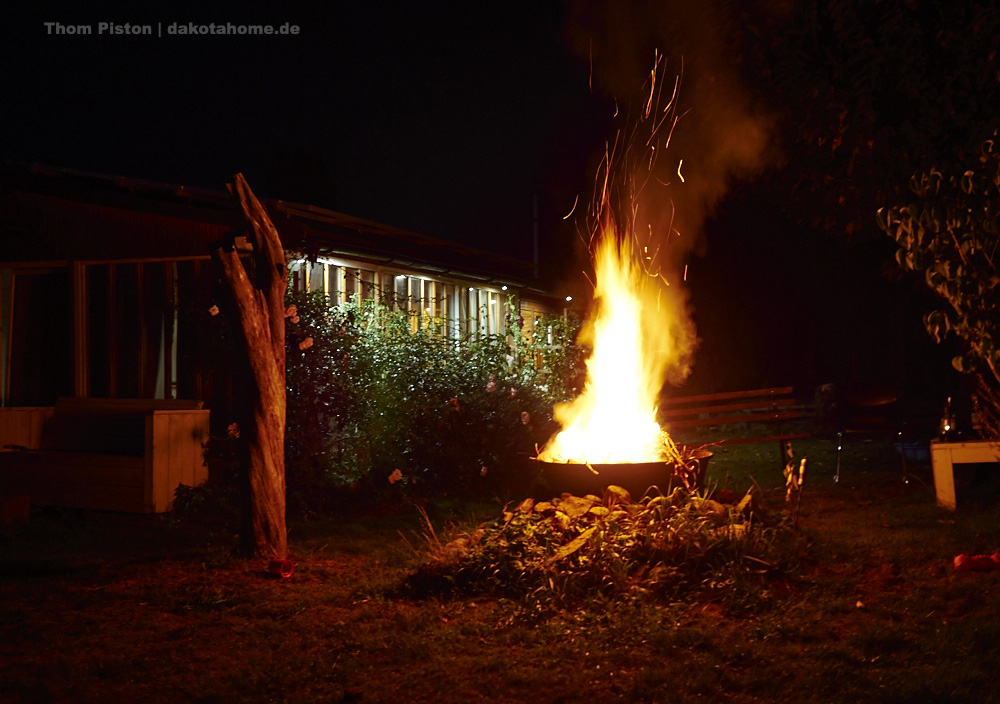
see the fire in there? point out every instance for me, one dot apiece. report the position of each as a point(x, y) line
point(614, 419)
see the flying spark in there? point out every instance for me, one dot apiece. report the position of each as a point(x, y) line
point(566, 216)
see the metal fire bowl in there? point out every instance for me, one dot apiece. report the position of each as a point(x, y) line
point(636, 477)
point(577, 479)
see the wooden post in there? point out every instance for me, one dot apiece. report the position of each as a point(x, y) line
point(257, 310)
point(78, 286)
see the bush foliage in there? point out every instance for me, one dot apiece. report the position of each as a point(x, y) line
point(950, 234)
point(376, 393)
point(552, 554)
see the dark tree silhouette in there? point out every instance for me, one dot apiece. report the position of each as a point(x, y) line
point(868, 94)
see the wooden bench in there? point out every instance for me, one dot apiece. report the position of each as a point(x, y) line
point(770, 406)
point(105, 454)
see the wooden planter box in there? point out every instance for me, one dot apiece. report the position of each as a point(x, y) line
point(106, 454)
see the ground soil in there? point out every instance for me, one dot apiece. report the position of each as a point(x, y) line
point(106, 607)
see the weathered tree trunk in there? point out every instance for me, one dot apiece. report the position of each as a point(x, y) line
point(257, 311)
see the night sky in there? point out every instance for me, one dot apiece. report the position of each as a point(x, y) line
point(451, 119)
point(446, 121)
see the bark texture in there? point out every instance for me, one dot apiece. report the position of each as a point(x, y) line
point(257, 311)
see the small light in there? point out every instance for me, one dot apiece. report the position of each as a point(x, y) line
point(400, 277)
point(569, 298)
point(470, 288)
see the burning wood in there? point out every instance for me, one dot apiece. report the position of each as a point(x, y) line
point(637, 329)
point(614, 419)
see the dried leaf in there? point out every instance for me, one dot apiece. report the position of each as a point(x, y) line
point(526, 506)
point(573, 545)
point(576, 506)
point(562, 520)
point(745, 501)
point(614, 495)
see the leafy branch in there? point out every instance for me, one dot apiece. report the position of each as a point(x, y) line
point(950, 234)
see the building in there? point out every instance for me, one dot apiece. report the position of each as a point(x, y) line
point(106, 282)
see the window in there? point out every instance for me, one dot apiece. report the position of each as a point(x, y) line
point(131, 317)
point(399, 291)
point(453, 309)
point(494, 314)
point(38, 334)
point(339, 282)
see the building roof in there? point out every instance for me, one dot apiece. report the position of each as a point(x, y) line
point(59, 214)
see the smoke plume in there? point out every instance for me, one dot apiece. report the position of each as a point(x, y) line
point(719, 134)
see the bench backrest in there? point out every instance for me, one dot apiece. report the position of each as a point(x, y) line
point(107, 426)
point(734, 407)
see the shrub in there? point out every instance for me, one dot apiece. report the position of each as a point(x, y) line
point(551, 554)
point(372, 390)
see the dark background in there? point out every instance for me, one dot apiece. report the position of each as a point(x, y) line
point(455, 119)
point(444, 120)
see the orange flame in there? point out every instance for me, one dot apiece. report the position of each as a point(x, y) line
point(614, 419)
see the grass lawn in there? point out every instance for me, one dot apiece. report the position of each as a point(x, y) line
point(102, 607)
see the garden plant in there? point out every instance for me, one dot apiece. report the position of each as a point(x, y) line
point(383, 400)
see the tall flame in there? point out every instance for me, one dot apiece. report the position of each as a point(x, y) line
point(614, 419)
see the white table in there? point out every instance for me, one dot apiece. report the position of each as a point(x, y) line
point(944, 455)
